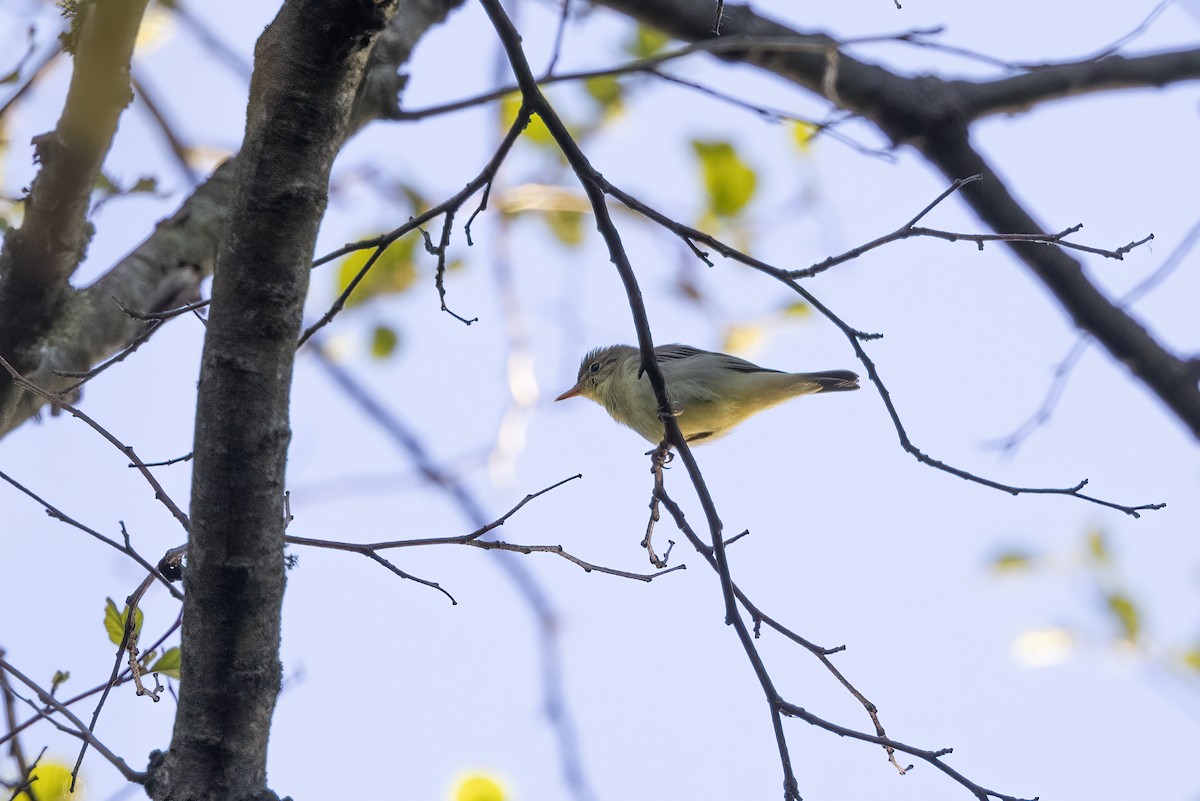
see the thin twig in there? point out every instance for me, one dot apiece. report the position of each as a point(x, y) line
point(126, 549)
point(474, 539)
point(159, 493)
point(58, 706)
point(380, 243)
point(1062, 371)
point(910, 229)
point(856, 337)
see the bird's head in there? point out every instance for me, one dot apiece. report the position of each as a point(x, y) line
point(598, 372)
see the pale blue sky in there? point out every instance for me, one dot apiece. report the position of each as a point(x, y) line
point(392, 692)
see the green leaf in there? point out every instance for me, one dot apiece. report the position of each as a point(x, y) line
point(1126, 613)
point(168, 664)
point(1191, 659)
point(392, 273)
point(144, 184)
point(536, 131)
point(1012, 562)
point(1098, 547)
point(728, 180)
point(384, 341)
point(607, 92)
point(60, 678)
point(797, 308)
point(567, 226)
point(646, 42)
point(106, 185)
point(114, 621)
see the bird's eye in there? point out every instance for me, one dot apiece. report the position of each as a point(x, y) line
point(595, 368)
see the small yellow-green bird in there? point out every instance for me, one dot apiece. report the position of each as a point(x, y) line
point(711, 392)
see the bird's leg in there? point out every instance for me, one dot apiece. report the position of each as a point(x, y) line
point(658, 460)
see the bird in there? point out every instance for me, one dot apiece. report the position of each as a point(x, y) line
point(711, 393)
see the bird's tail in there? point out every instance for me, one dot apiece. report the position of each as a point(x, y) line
point(829, 380)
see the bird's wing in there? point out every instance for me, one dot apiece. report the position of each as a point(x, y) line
point(675, 353)
point(670, 353)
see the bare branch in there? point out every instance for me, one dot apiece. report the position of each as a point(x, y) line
point(37, 259)
point(446, 207)
point(125, 548)
point(856, 338)
point(160, 494)
point(934, 115)
point(474, 539)
point(1062, 372)
point(79, 728)
point(166, 270)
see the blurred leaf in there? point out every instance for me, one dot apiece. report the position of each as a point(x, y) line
point(540, 197)
point(384, 341)
point(1191, 660)
point(539, 134)
point(416, 200)
point(144, 184)
point(1126, 613)
point(607, 92)
point(106, 185)
point(567, 226)
point(157, 26)
point(743, 337)
point(15, 74)
point(1038, 648)
point(169, 663)
point(1012, 562)
point(797, 308)
point(1098, 547)
point(729, 181)
point(52, 783)
point(392, 273)
point(114, 621)
point(60, 678)
point(646, 42)
point(536, 131)
point(803, 134)
point(479, 787)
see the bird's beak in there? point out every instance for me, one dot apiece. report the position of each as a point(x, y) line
point(573, 392)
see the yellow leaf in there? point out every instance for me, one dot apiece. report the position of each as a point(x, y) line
point(1012, 562)
point(647, 42)
point(743, 338)
point(52, 783)
point(567, 226)
point(392, 273)
point(797, 308)
point(729, 181)
point(536, 131)
point(1097, 546)
point(802, 135)
point(479, 787)
point(606, 91)
point(1127, 615)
